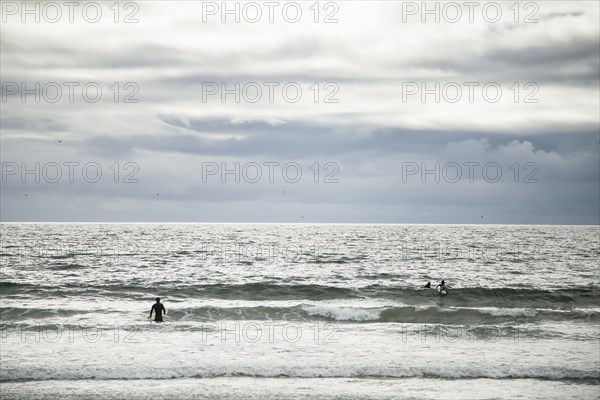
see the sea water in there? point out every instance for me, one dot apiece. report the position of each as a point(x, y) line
point(299, 311)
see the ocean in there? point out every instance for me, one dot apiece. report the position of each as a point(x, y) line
point(299, 311)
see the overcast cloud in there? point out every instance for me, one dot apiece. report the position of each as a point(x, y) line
point(527, 155)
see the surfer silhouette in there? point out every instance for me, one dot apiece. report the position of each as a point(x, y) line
point(441, 287)
point(158, 310)
point(427, 285)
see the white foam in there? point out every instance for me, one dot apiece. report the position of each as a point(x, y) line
point(344, 313)
point(512, 312)
point(587, 310)
point(504, 312)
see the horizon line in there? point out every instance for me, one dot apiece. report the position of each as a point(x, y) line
point(289, 223)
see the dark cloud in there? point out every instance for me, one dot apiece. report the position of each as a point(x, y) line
point(369, 136)
point(585, 51)
point(31, 124)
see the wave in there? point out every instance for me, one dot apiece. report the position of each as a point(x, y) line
point(65, 267)
point(337, 313)
point(20, 314)
point(25, 289)
point(306, 371)
point(32, 317)
point(450, 316)
point(261, 291)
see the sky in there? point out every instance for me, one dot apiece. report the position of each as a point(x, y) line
point(301, 112)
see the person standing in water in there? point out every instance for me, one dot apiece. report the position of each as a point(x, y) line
point(158, 309)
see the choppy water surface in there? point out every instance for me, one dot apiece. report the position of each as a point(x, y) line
point(300, 311)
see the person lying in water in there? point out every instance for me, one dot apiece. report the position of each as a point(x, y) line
point(442, 286)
